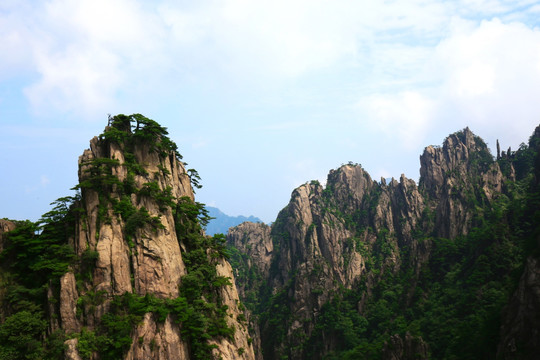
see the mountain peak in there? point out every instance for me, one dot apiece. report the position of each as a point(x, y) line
point(124, 267)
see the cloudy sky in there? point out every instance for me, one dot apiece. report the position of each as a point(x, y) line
point(260, 96)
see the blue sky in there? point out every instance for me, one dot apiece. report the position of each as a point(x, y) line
point(260, 96)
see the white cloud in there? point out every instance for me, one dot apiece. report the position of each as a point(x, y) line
point(487, 77)
point(44, 182)
point(535, 9)
point(85, 57)
point(78, 80)
point(85, 52)
point(402, 117)
point(15, 45)
point(265, 37)
point(80, 54)
point(492, 77)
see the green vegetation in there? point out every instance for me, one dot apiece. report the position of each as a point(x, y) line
point(36, 255)
point(456, 304)
point(453, 302)
point(200, 321)
point(205, 315)
point(249, 277)
point(34, 258)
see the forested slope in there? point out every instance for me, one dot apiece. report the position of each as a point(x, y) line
point(123, 269)
point(446, 269)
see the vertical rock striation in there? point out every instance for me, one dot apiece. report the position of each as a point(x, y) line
point(127, 241)
point(458, 177)
point(253, 242)
point(354, 233)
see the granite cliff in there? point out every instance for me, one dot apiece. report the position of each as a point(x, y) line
point(348, 270)
point(358, 268)
point(140, 278)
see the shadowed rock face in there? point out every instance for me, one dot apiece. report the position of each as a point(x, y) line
point(407, 347)
point(520, 332)
point(254, 241)
point(325, 239)
point(5, 226)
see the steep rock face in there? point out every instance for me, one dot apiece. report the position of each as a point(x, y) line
point(71, 352)
point(307, 266)
point(240, 346)
point(356, 232)
point(458, 177)
point(155, 257)
point(127, 242)
point(325, 240)
point(68, 304)
point(158, 341)
point(252, 249)
point(253, 241)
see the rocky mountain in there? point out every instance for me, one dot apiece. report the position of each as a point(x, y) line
point(221, 222)
point(122, 270)
point(363, 269)
point(358, 269)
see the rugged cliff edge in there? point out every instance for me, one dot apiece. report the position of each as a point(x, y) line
point(367, 269)
point(359, 268)
point(140, 278)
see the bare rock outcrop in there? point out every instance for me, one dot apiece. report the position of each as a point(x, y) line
point(352, 232)
point(155, 257)
point(457, 177)
point(68, 304)
point(160, 341)
point(240, 347)
point(71, 352)
point(254, 243)
point(131, 182)
point(325, 239)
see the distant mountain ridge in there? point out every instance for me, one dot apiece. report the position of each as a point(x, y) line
point(221, 222)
